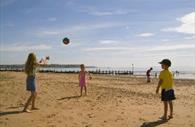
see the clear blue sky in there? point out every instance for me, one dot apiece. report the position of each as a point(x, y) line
point(113, 33)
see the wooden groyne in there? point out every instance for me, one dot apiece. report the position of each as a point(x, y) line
point(20, 68)
point(114, 72)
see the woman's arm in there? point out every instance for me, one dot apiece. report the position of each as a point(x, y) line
point(38, 64)
point(42, 62)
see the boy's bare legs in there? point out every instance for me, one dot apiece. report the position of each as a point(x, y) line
point(165, 110)
point(33, 101)
point(28, 102)
point(171, 109)
point(85, 90)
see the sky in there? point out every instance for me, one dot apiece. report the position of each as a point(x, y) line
point(104, 33)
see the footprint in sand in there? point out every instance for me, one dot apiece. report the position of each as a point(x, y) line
point(75, 124)
point(88, 125)
point(122, 112)
point(102, 125)
point(48, 122)
point(98, 98)
point(142, 119)
point(88, 101)
point(48, 105)
point(99, 109)
point(69, 108)
point(59, 103)
point(90, 115)
point(120, 101)
point(51, 126)
point(93, 105)
point(70, 118)
point(51, 115)
point(119, 118)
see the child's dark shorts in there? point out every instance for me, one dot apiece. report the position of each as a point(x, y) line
point(30, 83)
point(167, 95)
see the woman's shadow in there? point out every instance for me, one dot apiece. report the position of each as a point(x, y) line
point(154, 123)
point(10, 113)
point(68, 98)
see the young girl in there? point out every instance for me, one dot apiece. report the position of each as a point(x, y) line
point(82, 79)
point(30, 69)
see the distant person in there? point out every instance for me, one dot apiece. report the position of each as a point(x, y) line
point(148, 74)
point(156, 74)
point(166, 84)
point(177, 73)
point(82, 79)
point(30, 70)
point(173, 74)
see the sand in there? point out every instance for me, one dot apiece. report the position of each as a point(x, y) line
point(112, 101)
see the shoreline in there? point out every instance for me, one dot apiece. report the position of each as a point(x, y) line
point(120, 73)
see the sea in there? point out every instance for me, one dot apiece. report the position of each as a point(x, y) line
point(136, 71)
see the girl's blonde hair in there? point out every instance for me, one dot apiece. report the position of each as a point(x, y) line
point(30, 63)
point(82, 66)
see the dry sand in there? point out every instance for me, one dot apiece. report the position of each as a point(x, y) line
point(112, 101)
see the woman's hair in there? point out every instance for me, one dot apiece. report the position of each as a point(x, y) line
point(30, 63)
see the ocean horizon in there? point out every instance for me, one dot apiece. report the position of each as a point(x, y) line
point(138, 71)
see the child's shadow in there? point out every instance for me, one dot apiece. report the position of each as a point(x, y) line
point(10, 113)
point(68, 98)
point(154, 123)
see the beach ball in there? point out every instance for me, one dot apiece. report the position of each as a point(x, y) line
point(47, 58)
point(66, 41)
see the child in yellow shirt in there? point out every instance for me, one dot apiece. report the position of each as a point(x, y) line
point(166, 84)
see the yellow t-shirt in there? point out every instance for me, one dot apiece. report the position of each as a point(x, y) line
point(167, 79)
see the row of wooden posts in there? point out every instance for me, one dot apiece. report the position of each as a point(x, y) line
point(111, 72)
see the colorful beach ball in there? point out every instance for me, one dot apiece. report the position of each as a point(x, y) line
point(66, 41)
point(47, 58)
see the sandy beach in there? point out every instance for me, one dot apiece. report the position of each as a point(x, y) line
point(112, 101)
